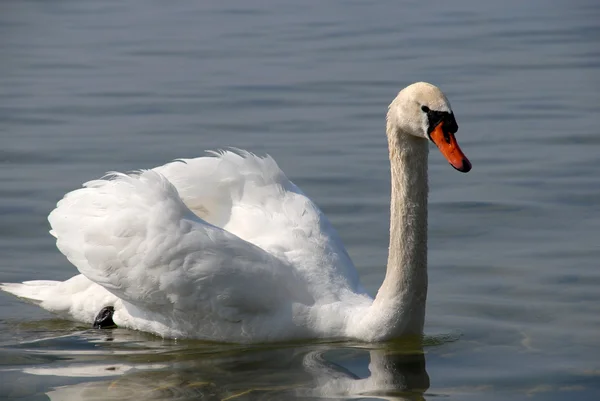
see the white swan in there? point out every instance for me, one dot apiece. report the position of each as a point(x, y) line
point(226, 248)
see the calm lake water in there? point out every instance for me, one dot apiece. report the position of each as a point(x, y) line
point(514, 302)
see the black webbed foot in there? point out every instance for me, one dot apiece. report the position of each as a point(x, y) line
point(104, 319)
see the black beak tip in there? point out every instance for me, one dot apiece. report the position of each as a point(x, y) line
point(466, 166)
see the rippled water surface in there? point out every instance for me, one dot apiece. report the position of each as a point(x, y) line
point(514, 296)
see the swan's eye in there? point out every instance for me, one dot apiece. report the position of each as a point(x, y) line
point(425, 109)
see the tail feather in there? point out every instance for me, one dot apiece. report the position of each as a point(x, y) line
point(77, 298)
point(36, 291)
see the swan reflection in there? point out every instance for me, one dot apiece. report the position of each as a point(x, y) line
point(130, 366)
point(393, 376)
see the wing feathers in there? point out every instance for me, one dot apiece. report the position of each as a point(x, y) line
point(133, 235)
point(220, 238)
point(252, 198)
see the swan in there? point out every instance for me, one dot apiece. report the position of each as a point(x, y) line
point(226, 248)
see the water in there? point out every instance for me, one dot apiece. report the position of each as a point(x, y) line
point(514, 305)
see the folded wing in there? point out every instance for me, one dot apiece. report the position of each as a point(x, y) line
point(252, 198)
point(134, 236)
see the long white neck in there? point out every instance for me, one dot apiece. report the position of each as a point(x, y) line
point(399, 307)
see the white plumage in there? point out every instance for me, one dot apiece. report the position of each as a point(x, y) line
point(226, 248)
point(248, 262)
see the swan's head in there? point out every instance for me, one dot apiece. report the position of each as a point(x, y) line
point(423, 111)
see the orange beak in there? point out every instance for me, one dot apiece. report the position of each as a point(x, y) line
point(446, 143)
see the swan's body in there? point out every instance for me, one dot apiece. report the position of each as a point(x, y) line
point(226, 248)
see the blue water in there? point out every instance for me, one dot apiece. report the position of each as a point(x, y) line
point(514, 297)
